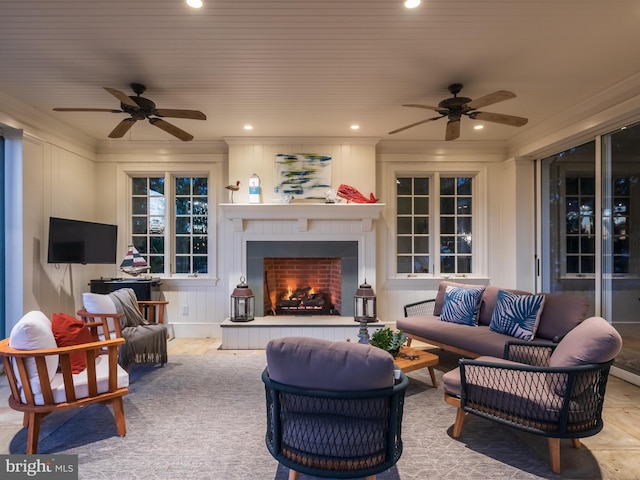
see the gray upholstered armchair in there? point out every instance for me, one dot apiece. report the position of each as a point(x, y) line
point(553, 390)
point(333, 408)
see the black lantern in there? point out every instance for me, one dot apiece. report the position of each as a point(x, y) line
point(242, 303)
point(364, 310)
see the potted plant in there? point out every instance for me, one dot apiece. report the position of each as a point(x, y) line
point(388, 340)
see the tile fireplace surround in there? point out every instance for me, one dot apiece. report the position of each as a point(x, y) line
point(319, 223)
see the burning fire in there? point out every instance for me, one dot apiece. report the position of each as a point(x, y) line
point(290, 290)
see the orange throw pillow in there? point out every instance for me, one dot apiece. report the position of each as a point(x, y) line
point(69, 331)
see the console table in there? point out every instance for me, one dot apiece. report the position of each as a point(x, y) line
point(145, 288)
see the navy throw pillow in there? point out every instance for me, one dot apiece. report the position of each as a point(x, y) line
point(517, 315)
point(461, 305)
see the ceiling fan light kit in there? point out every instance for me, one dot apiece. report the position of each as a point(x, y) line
point(455, 107)
point(140, 108)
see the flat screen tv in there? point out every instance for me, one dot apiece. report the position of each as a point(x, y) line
point(75, 241)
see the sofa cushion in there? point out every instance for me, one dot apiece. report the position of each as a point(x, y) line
point(517, 315)
point(461, 305)
point(33, 332)
point(324, 365)
point(480, 340)
point(69, 331)
point(593, 341)
point(452, 383)
point(81, 385)
point(561, 313)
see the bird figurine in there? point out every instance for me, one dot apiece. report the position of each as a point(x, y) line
point(233, 188)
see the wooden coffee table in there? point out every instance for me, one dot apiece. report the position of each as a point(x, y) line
point(410, 359)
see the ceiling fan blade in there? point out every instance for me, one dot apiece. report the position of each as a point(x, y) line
point(428, 107)
point(191, 114)
point(123, 97)
point(495, 97)
point(171, 129)
point(87, 110)
point(415, 124)
point(453, 130)
point(510, 120)
point(122, 128)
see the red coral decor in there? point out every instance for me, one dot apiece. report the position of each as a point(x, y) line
point(351, 195)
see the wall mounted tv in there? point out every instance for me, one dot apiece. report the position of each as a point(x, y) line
point(75, 241)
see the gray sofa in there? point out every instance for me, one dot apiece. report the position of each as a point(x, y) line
point(560, 314)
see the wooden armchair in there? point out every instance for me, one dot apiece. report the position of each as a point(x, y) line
point(139, 322)
point(153, 311)
point(41, 380)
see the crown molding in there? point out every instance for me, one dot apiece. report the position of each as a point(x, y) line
point(605, 111)
point(302, 140)
point(168, 147)
point(440, 147)
point(21, 116)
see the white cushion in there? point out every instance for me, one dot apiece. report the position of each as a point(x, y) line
point(80, 382)
point(100, 303)
point(33, 332)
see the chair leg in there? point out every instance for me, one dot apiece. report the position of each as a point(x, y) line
point(370, 477)
point(434, 382)
point(576, 442)
point(33, 432)
point(457, 427)
point(118, 415)
point(554, 454)
point(293, 475)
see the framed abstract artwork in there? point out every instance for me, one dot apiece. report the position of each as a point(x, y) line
point(302, 175)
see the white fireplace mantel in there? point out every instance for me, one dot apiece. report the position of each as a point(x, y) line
point(302, 212)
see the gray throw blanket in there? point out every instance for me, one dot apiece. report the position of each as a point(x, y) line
point(144, 342)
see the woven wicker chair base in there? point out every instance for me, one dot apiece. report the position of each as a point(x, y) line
point(338, 465)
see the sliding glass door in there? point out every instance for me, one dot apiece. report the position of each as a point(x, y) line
point(568, 216)
point(590, 231)
point(621, 240)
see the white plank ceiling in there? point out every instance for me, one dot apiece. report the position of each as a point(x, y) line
point(313, 68)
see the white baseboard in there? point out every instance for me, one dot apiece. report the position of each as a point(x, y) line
point(625, 375)
point(194, 330)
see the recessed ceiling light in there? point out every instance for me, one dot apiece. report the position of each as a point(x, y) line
point(478, 127)
point(248, 127)
point(355, 127)
point(411, 3)
point(195, 3)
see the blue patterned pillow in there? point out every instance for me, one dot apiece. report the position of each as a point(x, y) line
point(461, 305)
point(517, 315)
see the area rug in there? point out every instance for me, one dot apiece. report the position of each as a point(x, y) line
point(203, 417)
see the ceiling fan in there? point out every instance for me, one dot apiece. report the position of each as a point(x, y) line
point(453, 108)
point(140, 108)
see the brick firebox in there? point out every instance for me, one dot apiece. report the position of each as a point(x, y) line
point(316, 279)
